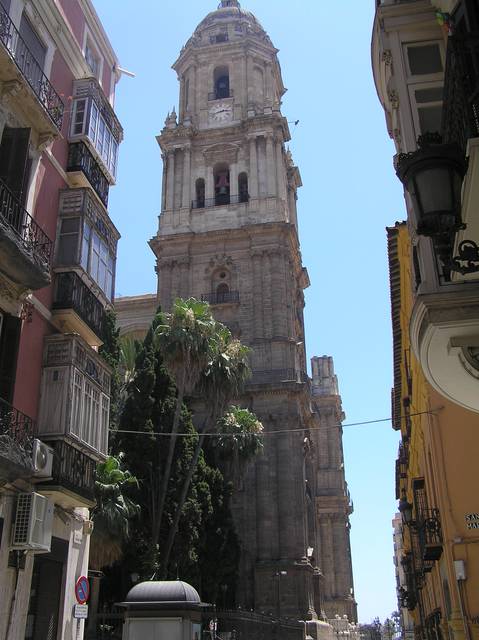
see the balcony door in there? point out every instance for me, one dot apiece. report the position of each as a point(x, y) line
point(14, 161)
point(10, 327)
point(46, 593)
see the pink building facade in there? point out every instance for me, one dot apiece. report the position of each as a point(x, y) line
point(59, 141)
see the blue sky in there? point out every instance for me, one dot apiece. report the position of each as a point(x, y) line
point(350, 195)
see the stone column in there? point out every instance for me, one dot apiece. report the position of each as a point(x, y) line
point(269, 83)
point(249, 80)
point(164, 157)
point(234, 179)
point(170, 190)
point(193, 101)
point(209, 183)
point(278, 297)
point(270, 166)
point(267, 301)
point(280, 170)
point(186, 198)
point(257, 293)
point(184, 271)
point(164, 283)
point(253, 168)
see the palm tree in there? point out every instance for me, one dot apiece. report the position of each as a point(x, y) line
point(239, 440)
point(222, 379)
point(184, 342)
point(112, 514)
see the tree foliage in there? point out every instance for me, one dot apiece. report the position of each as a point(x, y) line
point(112, 513)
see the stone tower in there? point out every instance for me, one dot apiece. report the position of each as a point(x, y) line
point(333, 503)
point(228, 234)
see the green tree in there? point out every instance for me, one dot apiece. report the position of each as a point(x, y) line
point(239, 440)
point(221, 380)
point(184, 341)
point(112, 513)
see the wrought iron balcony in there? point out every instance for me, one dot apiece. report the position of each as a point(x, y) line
point(73, 471)
point(221, 298)
point(81, 159)
point(17, 432)
point(461, 90)
point(25, 249)
point(30, 69)
point(72, 293)
point(220, 95)
point(219, 201)
point(430, 535)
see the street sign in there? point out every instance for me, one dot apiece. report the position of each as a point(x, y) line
point(80, 611)
point(82, 590)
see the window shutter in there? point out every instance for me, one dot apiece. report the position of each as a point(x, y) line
point(13, 159)
point(33, 42)
point(8, 355)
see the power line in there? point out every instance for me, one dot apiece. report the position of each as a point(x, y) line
point(272, 433)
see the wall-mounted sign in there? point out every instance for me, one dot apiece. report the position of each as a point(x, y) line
point(472, 520)
point(80, 611)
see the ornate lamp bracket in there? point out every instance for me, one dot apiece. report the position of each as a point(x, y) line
point(467, 260)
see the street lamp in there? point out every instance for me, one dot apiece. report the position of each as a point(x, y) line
point(405, 509)
point(433, 177)
point(279, 575)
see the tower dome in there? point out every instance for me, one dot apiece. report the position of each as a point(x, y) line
point(229, 18)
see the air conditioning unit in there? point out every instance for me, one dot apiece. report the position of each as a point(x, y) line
point(33, 523)
point(42, 459)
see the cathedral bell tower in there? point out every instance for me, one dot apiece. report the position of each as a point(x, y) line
point(228, 234)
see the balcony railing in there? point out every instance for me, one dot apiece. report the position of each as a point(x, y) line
point(220, 95)
point(16, 429)
point(33, 238)
point(430, 535)
point(219, 201)
point(461, 91)
point(73, 470)
point(277, 375)
point(30, 69)
point(81, 159)
point(220, 298)
point(72, 293)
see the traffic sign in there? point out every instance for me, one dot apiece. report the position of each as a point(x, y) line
point(80, 611)
point(82, 590)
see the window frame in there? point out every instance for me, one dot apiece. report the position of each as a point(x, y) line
point(415, 106)
point(89, 41)
point(412, 77)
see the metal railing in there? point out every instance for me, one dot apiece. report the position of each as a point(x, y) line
point(30, 69)
point(277, 375)
point(220, 95)
point(73, 469)
point(430, 534)
point(81, 159)
point(16, 428)
point(220, 297)
point(219, 201)
point(72, 293)
point(18, 218)
point(460, 119)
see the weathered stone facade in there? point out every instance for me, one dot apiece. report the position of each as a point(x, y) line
point(228, 234)
point(333, 503)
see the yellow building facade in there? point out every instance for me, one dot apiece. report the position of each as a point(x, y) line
point(436, 479)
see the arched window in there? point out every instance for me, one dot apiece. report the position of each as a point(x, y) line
point(200, 194)
point(243, 187)
point(221, 79)
point(222, 292)
point(222, 184)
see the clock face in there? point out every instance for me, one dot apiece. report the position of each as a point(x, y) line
point(221, 112)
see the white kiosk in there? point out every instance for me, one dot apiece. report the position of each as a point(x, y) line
point(167, 610)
